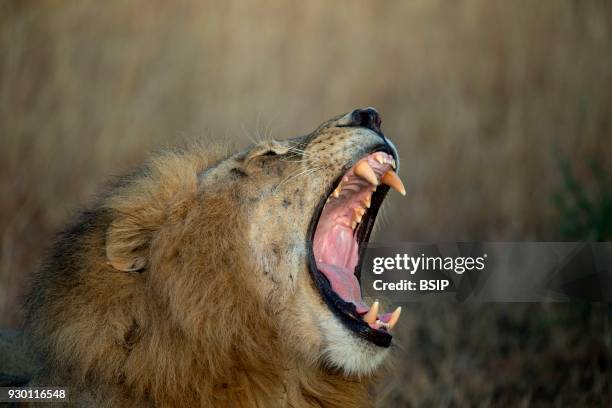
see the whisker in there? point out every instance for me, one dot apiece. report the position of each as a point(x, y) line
point(299, 146)
point(302, 152)
point(269, 128)
point(248, 134)
point(305, 160)
point(302, 173)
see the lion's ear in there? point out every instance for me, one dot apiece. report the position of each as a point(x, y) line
point(127, 245)
point(267, 148)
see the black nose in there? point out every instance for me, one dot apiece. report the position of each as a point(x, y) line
point(368, 118)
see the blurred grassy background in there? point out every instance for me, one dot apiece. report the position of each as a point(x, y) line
point(499, 110)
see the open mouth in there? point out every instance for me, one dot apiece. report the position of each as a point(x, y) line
point(339, 231)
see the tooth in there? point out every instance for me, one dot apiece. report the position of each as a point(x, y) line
point(370, 317)
point(393, 163)
point(367, 202)
point(379, 158)
point(358, 214)
point(363, 170)
point(394, 317)
point(353, 224)
point(391, 179)
point(336, 192)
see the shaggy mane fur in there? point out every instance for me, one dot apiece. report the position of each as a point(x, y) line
point(122, 324)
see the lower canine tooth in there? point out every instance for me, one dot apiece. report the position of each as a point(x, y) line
point(394, 317)
point(370, 317)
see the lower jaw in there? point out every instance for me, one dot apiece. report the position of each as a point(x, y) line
point(352, 355)
point(346, 312)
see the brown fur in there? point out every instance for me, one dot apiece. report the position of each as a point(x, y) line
point(187, 284)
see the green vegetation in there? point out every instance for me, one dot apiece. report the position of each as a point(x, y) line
point(585, 207)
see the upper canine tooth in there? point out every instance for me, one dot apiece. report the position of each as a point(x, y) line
point(394, 317)
point(391, 179)
point(363, 170)
point(370, 317)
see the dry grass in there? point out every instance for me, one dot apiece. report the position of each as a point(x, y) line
point(478, 95)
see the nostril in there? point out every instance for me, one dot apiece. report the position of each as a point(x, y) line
point(368, 118)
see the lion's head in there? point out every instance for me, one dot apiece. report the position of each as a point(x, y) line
point(248, 254)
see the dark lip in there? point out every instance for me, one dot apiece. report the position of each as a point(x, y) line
point(347, 311)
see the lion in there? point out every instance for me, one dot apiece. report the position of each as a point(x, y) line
point(214, 279)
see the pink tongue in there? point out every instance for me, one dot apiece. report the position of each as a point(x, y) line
point(345, 284)
point(335, 251)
